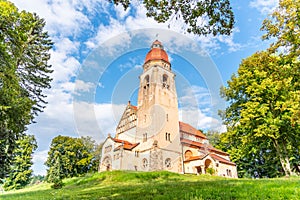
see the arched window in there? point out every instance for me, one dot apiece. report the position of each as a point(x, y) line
point(145, 163)
point(165, 81)
point(107, 162)
point(168, 163)
point(146, 82)
point(188, 154)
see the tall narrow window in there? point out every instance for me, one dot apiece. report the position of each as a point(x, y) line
point(167, 117)
point(165, 81)
point(168, 136)
point(137, 153)
point(146, 82)
point(145, 137)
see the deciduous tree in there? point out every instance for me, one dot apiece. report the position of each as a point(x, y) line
point(74, 157)
point(264, 98)
point(199, 17)
point(263, 117)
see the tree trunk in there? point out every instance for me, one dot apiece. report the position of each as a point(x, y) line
point(283, 157)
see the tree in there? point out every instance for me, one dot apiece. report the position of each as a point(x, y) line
point(74, 157)
point(254, 159)
point(94, 150)
point(283, 25)
point(97, 157)
point(24, 73)
point(55, 175)
point(200, 17)
point(264, 97)
point(20, 170)
point(213, 137)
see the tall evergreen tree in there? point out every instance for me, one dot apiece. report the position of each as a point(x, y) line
point(54, 174)
point(24, 73)
point(20, 170)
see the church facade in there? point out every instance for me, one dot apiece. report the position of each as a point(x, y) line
point(150, 137)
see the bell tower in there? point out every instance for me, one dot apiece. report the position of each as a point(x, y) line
point(157, 111)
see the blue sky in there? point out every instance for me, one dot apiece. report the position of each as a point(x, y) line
point(97, 57)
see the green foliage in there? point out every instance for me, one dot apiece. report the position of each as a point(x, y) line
point(71, 156)
point(95, 150)
point(20, 170)
point(24, 73)
point(54, 175)
point(283, 26)
point(200, 17)
point(264, 99)
point(210, 171)
point(131, 185)
point(263, 117)
point(213, 137)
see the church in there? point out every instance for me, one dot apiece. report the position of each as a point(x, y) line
point(150, 137)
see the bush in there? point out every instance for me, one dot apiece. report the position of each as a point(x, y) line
point(210, 171)
point(57, 184)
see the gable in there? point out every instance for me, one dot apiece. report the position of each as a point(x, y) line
point(128, 119)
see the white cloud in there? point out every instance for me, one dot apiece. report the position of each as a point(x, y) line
point(198, 119)
point(264, 6)
point(97, 120)
point(39, 158)
point(229, 41)
point(63, 17)
point(82, 86)
point(121, 13)
point(196, 109)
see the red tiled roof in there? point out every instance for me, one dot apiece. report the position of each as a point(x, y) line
point(194, 158)
point(222, 160)
point(191, 143)
point(126, 145)
point(186, 128)
point(120, 141)
point(134, 107)
point(214, 156)
point(210, 148)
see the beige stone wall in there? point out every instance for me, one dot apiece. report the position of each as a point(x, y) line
point(106, 162)
point(128, 135)
point(194, 151)
point(157, 108)
point(227, 170)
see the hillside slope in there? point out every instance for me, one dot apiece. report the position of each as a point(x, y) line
point(160, 185)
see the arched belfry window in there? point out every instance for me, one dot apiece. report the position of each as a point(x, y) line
point(146, 82)
point(165, 81)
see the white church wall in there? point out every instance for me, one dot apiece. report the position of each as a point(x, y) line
point(128, 135)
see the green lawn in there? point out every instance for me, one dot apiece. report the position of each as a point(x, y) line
point(161, 185)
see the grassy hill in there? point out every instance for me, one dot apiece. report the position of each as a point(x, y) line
point(161, 185)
